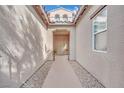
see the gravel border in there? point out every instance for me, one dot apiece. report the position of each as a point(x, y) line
point(87, 80)
point(37, 79)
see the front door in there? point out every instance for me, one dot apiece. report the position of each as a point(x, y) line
point(61, 44)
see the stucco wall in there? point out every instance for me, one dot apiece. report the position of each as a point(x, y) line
point(108, 67)
point(72, 38)
point(24, 44)
point(61, 12)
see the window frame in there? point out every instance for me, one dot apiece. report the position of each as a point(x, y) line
point(57, 17)
point(95, 33)
point(65, 17)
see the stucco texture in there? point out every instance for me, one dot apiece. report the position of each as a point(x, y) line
point(108, 67)
point(23, 45)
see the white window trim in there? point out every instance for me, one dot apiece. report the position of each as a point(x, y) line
point(99, 51)
point(94, 33)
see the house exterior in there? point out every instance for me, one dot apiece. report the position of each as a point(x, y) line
point(61, 16)
point(96, 42)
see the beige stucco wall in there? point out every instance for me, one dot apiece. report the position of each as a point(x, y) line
point(61, 12)
point(22, 44)
point(71, 29)
point(23, 38)
point(108, 67)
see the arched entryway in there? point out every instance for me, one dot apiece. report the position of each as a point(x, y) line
point(61, 42)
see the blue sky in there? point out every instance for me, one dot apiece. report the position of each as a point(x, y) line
point(69, 7)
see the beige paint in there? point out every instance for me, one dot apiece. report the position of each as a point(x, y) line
point(71, 30)
point(61, 42)
point(108, 67)
point(26, 38)
point(24, 44)
point(61, 12)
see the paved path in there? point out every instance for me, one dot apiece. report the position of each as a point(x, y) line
point(61, 75)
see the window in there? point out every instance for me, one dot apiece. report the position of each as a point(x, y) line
point(99, 31)
point(65, 17)
point(57, 17)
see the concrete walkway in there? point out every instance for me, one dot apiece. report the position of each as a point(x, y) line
point(61, 75)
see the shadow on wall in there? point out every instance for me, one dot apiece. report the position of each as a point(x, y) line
point(21, 44)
